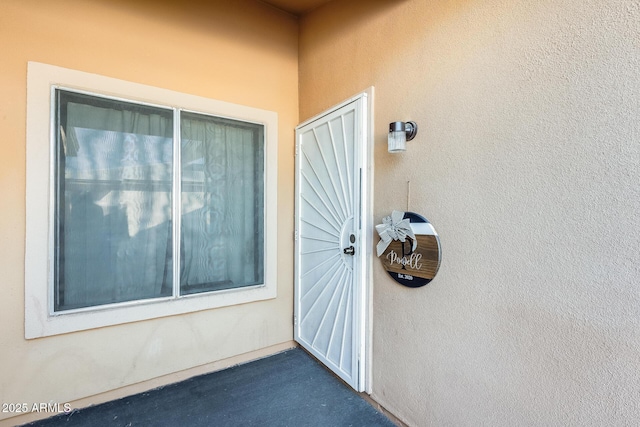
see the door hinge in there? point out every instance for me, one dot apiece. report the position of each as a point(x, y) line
point(295, 320)
point(295, 236)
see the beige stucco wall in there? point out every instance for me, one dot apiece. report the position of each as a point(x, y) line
point(527, 162)
point(242, 52)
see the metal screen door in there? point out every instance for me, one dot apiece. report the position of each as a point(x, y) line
point(328, 319)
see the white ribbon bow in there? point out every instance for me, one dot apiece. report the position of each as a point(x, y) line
point(394, 227)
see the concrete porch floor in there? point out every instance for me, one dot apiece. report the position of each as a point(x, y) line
point(287, 389)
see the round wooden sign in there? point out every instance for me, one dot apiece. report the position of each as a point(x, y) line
point(414, 267)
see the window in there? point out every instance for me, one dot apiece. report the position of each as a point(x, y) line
point(115, 195)
point(154, 208)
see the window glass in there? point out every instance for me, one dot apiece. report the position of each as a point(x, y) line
point(113, 202)
point(114, 180)
point(222, 236)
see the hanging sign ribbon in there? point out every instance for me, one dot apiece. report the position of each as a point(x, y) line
point(394, 227)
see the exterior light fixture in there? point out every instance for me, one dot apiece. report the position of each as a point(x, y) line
point(399, 134)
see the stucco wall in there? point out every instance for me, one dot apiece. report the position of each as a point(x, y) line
point(527, 162)
point(242, 52)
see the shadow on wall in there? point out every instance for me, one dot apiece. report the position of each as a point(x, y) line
point(377, 41)
point(402, 24)
point(352, 13)
point(246, 22)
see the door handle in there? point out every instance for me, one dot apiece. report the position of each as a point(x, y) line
point(349, 251)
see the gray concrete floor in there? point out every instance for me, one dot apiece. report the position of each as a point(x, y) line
point(286, 389)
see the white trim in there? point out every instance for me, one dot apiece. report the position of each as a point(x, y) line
point(367, 242)
point(39, 239)
point(176, 201)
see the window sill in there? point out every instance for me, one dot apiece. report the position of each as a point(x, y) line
point(38, 325)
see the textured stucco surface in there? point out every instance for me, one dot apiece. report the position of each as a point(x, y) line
point(242, 52)
point(527, 162)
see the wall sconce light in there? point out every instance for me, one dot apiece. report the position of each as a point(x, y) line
point(399, 134)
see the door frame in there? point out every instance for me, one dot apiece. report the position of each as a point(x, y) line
point(363, 317)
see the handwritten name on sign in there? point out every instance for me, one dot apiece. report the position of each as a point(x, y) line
point(423, 262)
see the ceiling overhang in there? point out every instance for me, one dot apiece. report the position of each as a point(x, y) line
point(296, 7)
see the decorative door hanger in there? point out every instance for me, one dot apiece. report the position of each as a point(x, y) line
point(409, 248)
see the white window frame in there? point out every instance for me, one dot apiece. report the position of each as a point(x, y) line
point(40, 320)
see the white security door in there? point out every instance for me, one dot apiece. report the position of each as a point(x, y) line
point(330, 292)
